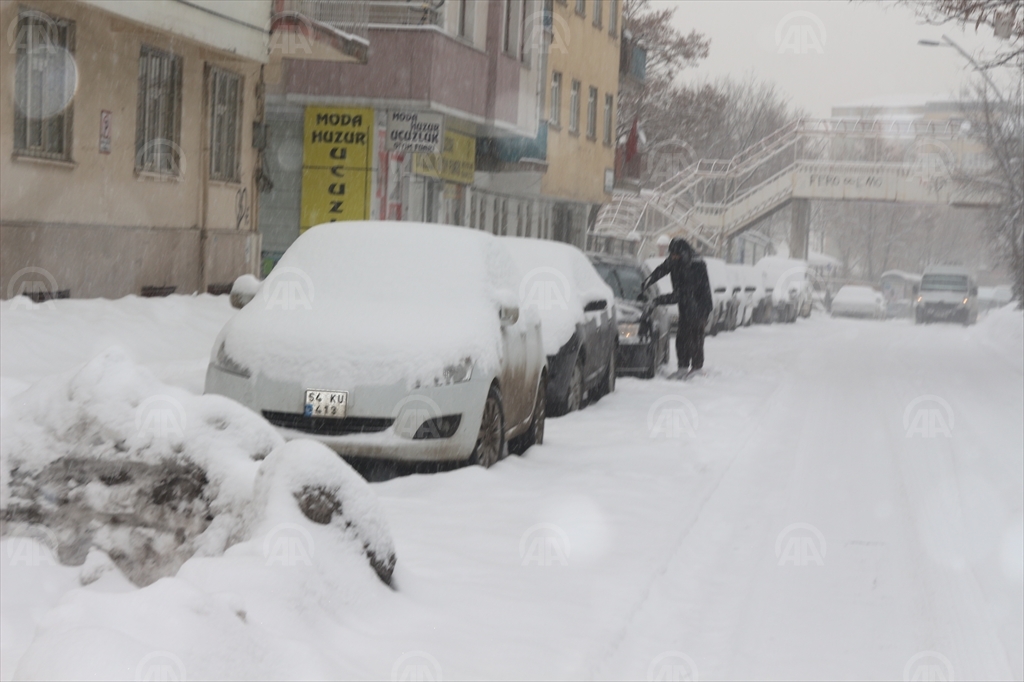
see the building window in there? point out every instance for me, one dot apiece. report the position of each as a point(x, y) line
point(609, 103)
point(592, 113)
point(510, 38)
point(44, 85)
point(598, 12)
point(463, 17)
point(524, 40)
point(613, 17)
point(158, 114)
point(581, 7)
point(556, 99)
point(574, 107)
point(225, 124)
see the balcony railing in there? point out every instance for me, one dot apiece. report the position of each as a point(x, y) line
point(348, 15)
point(355, 16)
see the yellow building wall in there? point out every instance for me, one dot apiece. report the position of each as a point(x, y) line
point(579, 50)
point(104, 189)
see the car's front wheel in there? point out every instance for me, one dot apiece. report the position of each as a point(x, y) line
point(608, 383)
point(535, 434)
point(574, 396)
point(490, 441)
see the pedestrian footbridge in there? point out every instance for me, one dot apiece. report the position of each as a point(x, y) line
point(712, 201)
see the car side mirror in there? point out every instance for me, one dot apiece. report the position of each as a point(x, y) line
point(243, 290)
point(508, 315)
point(595, 306)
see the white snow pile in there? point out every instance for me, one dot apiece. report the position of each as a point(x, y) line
point(357, 302)
point(557, 281)
point(110, 457)
point(1003, 330)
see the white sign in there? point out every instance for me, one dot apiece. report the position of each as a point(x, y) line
point(106, 124)
point(413, 131)
point(609, 180)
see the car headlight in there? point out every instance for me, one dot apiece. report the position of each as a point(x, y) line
point(228, 364)
point(965, 301)
point(457, 373)
point(629, 330)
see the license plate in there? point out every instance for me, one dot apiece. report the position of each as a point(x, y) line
point(331, 404)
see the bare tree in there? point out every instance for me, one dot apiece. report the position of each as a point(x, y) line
point(1004, 17)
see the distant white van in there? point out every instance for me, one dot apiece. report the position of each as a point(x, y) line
point(948, 293)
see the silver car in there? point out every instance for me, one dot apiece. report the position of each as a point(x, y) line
point(391, 340)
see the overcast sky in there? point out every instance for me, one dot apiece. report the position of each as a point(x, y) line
point(830, 52)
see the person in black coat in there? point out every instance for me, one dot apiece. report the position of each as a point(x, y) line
point(691, 291)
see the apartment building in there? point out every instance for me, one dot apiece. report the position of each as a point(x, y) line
point(130, 141)
point(582, 86)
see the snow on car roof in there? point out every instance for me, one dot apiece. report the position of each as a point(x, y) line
point(558, 280)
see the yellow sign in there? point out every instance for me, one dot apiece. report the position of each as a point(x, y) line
point(336, 136)
point(337, 154)
point(333, 194)
point(456, 163)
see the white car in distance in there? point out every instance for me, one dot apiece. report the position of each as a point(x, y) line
point(858, 301)
point(391, 340)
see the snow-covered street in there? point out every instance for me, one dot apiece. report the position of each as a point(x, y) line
point(835, 499)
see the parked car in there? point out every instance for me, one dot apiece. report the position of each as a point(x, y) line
point(664, 287)
point(577, 312)
point(721, 295)
point(390, 339)
point(643, 338)
point(749, 292)
point(948, 293)
point(785, 281)
point(858, 301)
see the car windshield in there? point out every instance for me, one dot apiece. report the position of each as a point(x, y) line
point(944, 283)
point(625, 280)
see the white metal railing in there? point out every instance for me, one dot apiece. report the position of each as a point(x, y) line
point(350, 16)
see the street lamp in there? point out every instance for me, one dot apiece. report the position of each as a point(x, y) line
point(948, 42)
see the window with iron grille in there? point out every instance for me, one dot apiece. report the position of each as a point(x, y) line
point(598, 12)
point(556, 99)
point(574, 107)
point(609, 103)
point(581, 7)
point(225, 124)
point(44, 85)
point(158, 114)
point(613, 17)
point(592, 113)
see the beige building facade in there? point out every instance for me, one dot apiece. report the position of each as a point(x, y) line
point(582, 84)
point(130, 137)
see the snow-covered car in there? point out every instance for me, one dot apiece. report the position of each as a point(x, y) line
point(577, 312)
point(748, 291)
point(643, 338)
point(786, 282)
point(391, 340)
point(721, 295)
point(948, 293)
point(858, 301)
point(664, 286)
